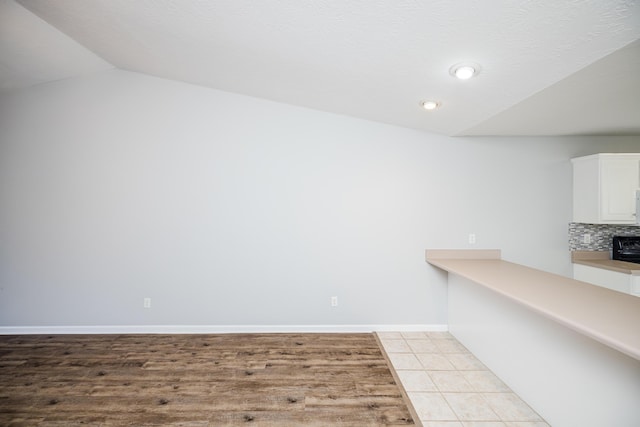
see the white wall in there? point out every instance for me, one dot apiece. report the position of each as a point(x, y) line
point(230, 210)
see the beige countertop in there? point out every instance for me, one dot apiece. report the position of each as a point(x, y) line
point(600, 259)
point(607, 316)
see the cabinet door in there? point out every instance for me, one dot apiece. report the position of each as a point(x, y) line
point(620, 178)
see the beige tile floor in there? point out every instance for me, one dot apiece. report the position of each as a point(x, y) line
point(449, 387)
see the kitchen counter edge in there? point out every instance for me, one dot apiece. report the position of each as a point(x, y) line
point(606, 316)
point(601, 259)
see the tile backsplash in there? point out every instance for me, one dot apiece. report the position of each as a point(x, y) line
point(601, 235)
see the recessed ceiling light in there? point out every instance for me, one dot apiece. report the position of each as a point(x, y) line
point(430, 105)
point(464, 71)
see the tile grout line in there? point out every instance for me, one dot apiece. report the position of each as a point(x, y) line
point(413, 352)
point(480, 388)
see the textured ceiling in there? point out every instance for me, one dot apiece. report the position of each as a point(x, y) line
point(372, 59)
point(601, 99)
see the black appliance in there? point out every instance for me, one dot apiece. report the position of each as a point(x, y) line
point(626, 248)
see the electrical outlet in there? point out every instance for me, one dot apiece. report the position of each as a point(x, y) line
point(147, 303)
point(586, 238)
point(472, 239)
point(334, 301)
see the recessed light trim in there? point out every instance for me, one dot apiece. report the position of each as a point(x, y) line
point(429, 105)
point(464, 70)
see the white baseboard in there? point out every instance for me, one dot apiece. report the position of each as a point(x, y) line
point(213, 329)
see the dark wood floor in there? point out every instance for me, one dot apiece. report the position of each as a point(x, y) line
point(198, 380)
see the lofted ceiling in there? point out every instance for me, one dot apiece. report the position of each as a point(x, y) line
point(548, 67)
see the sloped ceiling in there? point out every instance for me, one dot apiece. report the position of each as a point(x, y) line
point(549, 67)
point(34, 52)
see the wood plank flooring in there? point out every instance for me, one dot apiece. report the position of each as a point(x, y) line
point(198, 380)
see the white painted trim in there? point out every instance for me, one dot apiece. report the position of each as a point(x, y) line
point(213, 329)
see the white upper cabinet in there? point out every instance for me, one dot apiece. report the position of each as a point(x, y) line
point(604, 188)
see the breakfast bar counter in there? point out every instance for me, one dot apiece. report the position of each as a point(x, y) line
point(610, 317)
point(570, 349)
